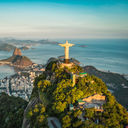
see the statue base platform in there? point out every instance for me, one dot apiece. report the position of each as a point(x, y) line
point(69, 65)
point(67, 61)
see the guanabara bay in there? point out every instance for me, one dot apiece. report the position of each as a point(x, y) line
point(64, 95)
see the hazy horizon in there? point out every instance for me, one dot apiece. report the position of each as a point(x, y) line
point(62, 39)
point(53, 19)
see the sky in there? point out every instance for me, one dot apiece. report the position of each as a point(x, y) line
point(67, 19)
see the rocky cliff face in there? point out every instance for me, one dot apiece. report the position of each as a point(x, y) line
point(16, 52)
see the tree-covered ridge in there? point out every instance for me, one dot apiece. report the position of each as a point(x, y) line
point(11, 111)
point(37, 116)
point(54, 89)
point(115, 82)
point(6, 47)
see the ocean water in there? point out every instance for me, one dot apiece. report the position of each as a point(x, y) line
point(104, 54)
point(6, 71)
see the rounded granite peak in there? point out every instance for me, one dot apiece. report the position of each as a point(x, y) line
point(16, 52)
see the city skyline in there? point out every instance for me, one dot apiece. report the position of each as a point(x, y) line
point(37, 19)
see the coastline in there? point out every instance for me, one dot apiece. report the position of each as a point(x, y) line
point(115, 82)
point(20, 68)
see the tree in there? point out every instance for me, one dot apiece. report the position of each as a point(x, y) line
point(77, 113)
point(66, 121)
point(89, 113)
point(77, 124)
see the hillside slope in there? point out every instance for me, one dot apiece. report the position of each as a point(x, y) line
point(55, 96)
point(11, 111)
point(114, 81)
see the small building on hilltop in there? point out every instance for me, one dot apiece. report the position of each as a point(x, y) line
point(95, 101)
point(83, 74)
point(81, 102)
point(95, 98)
point(71, 107)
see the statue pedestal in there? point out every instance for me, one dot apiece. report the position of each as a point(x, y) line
point(69, 65)
point(66, 61)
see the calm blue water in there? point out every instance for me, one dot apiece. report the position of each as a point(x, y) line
point(103, 54)
point(6, 71)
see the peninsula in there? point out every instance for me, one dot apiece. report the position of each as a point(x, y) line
point(17, 60)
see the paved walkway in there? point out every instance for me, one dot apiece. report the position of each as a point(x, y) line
point(53, 122)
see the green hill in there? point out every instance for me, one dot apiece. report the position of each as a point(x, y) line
point(114, 82)
point(20, 61)
point(54, 93)
point(11, 111)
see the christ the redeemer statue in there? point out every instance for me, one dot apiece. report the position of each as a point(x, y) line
point(66, 46)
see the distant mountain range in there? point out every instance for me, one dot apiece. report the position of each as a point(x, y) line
point(10, 44)
point(16, 41)
point(6, 47)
